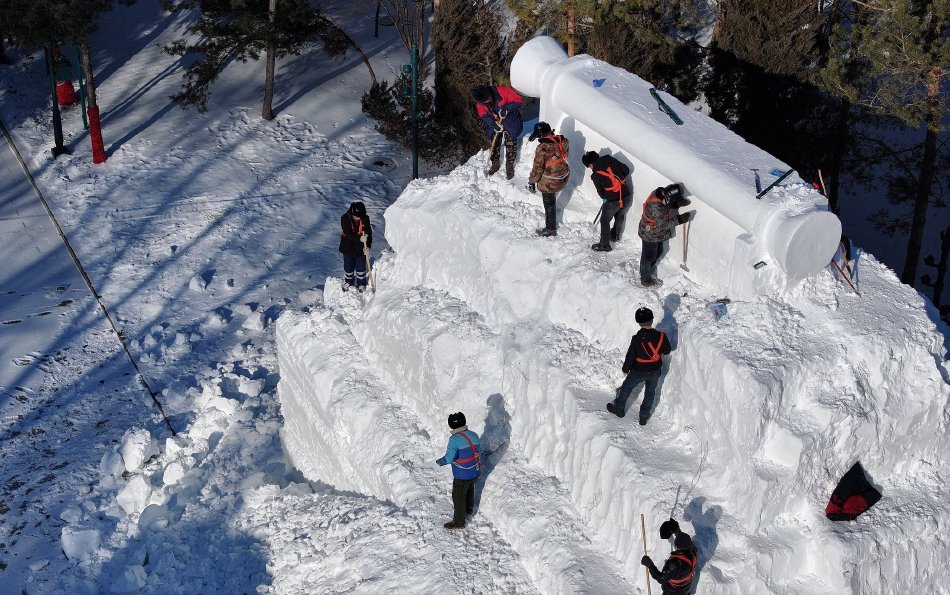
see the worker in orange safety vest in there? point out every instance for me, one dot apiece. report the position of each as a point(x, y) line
point(642, 365)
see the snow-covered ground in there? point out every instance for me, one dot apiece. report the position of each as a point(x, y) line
point(201, 231)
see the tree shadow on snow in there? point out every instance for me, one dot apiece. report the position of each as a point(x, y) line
point(230, 561)
point(704, 524)
point(494, 440)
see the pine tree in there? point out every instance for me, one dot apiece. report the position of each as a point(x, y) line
point(762, 55)
point(242, 30)
point(390, 106)
point(891, 57)
point(469, 51)
point(653, 39)
point(35, 24)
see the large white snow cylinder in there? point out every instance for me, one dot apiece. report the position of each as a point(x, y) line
point(793, 229)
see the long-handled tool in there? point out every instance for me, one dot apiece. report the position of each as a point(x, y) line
point(643, 531)
point(845, 277)
point(774, 184)
point(685, 245)
point(492, 148)
point(597, 218)
point(369, 269)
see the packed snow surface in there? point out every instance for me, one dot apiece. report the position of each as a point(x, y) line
point(208, 236)
point(760, 413)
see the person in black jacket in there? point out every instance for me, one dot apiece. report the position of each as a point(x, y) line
point(678, 572)
point(355, 242)
point(610, 180)
point(642, 365)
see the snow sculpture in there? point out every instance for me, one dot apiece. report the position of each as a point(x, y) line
point(598, 107)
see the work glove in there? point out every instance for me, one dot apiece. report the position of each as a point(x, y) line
point(441, 461)
point(684, 217)
point(532, 188)
point(646, 561)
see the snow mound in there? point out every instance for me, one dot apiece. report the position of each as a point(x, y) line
point(760, 412)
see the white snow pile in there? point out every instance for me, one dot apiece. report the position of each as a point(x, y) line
point(760, 412)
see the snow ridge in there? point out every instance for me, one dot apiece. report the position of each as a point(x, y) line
point(527, 334)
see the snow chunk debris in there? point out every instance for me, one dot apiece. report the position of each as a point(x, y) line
point(134, 496)
point(131, 580)
point(137, 447)
point(80, 543)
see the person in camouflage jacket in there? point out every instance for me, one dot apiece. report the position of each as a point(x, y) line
point(657, 225)
point(549, 173)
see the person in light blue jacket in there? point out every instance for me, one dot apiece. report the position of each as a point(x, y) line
point(463, 454)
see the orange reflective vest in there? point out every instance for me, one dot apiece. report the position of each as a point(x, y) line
point(686, 580)
point(474, 457)
point(652, 351)
point(616, 183)
point(558, 141)
point(651, 222)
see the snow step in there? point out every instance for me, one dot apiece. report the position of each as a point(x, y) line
point(443, 357)
point(343, 427)
point(369, 440)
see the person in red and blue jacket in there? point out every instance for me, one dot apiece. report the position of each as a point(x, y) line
point(463, 454)
point(499, 108)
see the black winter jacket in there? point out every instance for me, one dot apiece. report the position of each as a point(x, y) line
point(353, 227)
point(607, 184)
point(676, 578)
point(645, 351)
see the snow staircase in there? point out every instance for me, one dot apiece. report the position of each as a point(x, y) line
point(526, 336)
point(373, 443)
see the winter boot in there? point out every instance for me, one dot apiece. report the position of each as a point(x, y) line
point(451, 525)
point(653, 283)
point(546, 232)
point(643, 420)
point(509, 169)
point(598, 247)
point(615, 410)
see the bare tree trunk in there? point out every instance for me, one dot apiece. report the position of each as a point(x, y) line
point(92, 107)
point(268, 112)
point(3, 51)
point(925, 181)
point(571, 16)
point(837, 155)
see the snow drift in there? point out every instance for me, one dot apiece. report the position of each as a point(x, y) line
point(733, 231)
point(759, 414)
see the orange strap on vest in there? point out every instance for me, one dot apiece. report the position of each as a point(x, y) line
point(561, 155)
point(652, 351)
point(616, 186)
point(651, 222)
point(679, 582)
point(474, 457)
point(359, 230)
